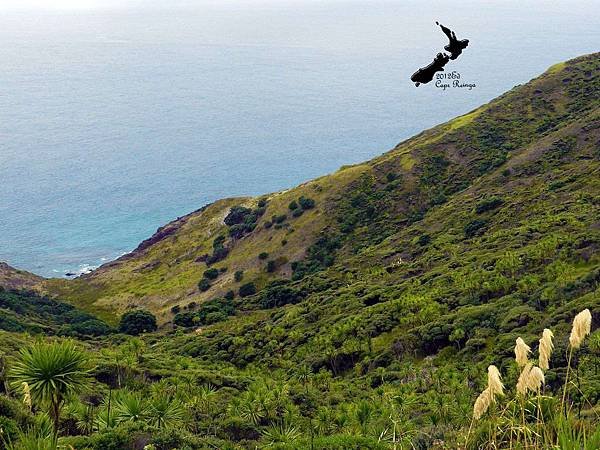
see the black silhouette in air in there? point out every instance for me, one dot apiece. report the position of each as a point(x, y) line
point(425, 74)
point(455, 47)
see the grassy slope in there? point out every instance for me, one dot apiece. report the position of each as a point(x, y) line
point(470, 147)
point(394, 298)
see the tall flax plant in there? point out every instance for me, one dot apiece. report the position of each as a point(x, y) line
point(48, 373)
point(524, 418)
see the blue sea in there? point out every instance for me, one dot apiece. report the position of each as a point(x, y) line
point(117, 117)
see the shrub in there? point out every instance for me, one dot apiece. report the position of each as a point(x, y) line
point(306, 203)
point(423, 240)
point(279, 219)
point(335, 442)
point(214, 317)
point(262, 203)
point(210, 312)
point(263, 255)
point(169, 439)
point(293, 205)
point(218, 309)
point(271, 266)
point(247, 289)
point(229, 295)
point(237, 231)
point(93, 327)
point(488, 204)
point(297, 212)
point(218, 242)
point(237, 429)
point(186, 319)
point(237, 215)
point(474, 228)
point(238, 276)
point(219, 254)
point(121, 437)
point(10, 430)
point(319, 256)
point(14, 409)
point(211, 274)
point(137, 322)
point(242, 220)
point(175, 309)
point(204, 285)
point(279, 293)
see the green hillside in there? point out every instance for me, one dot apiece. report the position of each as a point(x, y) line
point(489, 151)
point(361, 310)
point(22, 311)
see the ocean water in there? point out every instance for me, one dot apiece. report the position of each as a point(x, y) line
point(116, 118)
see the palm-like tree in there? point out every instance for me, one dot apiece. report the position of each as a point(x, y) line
point(52, 372)
point(106, 419)
point(201, 405)
point(40, 436)
point(84, 415)
point(166, 412)
point(131, 407)
point(283, 433)
point(364, 413)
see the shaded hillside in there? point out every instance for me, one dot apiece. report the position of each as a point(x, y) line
point(22, 311)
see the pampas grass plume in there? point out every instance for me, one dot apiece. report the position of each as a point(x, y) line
point(482, 404)
point(582, 325)
point(535, 379)
point(495, 382)
point(522, 351)
point(522, 382)
point(545, 350)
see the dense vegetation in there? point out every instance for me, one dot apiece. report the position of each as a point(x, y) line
point(23, 311)
point(374, 326)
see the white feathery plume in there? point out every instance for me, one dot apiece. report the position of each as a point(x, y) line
point(535, 379)
point(522, 351)
point(582, 325)
point(545, 350)
point(523, 381)
point(482, 404)
point(495, 382)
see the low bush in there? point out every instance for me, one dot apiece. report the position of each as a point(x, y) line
point(488, 204)
point(211, 274)
point(247, 290)
point(204, 285)
point(137, 322)
point(306, 203)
